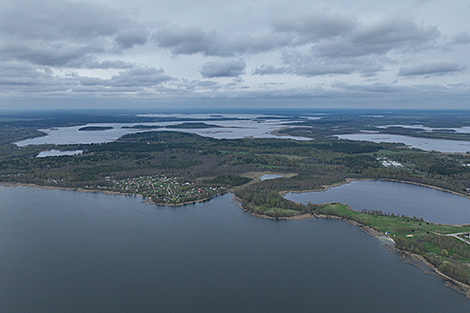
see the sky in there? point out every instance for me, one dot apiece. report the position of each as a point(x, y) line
point(369, 54)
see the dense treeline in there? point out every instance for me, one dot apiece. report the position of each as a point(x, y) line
point(207, 162)
point(450, 244)
point(261, 201)
point(191, 156)
point(228, 180)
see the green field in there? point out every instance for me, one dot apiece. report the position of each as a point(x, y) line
point(450, 255)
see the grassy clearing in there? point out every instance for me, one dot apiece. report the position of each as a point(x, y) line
point(450, 255)
point(396, 226)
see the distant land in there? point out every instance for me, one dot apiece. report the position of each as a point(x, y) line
point(95, 128)
point(178, 167)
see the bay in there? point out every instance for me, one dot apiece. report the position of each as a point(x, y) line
point(394, 197)
point(64, 251)
point(247, 126)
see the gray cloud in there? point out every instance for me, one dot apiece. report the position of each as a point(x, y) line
point(133, 79)
point(143, 76)
point(64, 33)
point(377, 88)
point(317, 25)
point(55, 20)
point(431, 69)
point(92, 63)
point(42, 41)
point(379, 38)
point(194, 40)
point(25, 77)
point(49, 54)
point(20, 74)
point(130, 38)
point(308, 64)
point(270, 70)
point(223, 69)
point(462, 38)
point(189, 41)
point(351, 47)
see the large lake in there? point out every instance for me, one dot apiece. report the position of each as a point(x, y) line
point(64, 251)
point(392, 197)
point(245, 126)
point(427, 144)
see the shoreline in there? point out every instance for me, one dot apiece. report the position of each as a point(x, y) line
point(350, 180)
point(416, 258)
point(452, 283)
point(105, 192)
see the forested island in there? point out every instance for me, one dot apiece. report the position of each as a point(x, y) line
point(174, 168)
point(95, 128)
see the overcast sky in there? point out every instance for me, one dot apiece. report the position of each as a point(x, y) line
point(254, 54)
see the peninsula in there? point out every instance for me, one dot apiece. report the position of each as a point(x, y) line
point(176, 168)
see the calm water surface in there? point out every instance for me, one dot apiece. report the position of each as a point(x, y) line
point(427, 144)
point(270, 176)
point(49, 153)
point(393, 197)
point(64, 251)
point(247, 126)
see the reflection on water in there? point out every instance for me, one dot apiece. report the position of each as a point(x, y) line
point(44, 154)
point(246, 127)
point(393, 197)
point(64, 251)
point(270, 176)
point(427, 144)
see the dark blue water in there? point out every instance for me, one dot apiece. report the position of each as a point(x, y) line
point(64, 251)
point(433, 205)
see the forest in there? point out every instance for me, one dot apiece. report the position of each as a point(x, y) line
point(174, 168)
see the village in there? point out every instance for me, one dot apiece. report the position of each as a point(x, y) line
point(162, 189)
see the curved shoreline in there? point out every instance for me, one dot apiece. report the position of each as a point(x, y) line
point(455, 284)
point(105, 192)
point(452, 283)
point(350, 180)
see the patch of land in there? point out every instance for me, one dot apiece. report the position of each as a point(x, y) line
point(95, 128)
point(174, 168)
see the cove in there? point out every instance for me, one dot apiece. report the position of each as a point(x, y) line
point(394, 197)
point(65, 251)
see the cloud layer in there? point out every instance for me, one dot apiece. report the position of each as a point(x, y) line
point(253, 51)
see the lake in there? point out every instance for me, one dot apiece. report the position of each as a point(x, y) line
point(392, 197)
point(65, 251)
point(44, 154)
point(270, 176)
point(427, 144)
point(247, 126)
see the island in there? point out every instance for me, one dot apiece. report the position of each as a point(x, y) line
point(177, 168)
point(95, 128)
point(194, 125)
point(141, 127)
